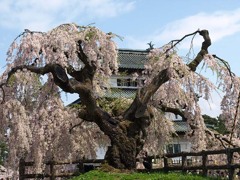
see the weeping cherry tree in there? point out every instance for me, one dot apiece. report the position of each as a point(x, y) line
point(81, 59)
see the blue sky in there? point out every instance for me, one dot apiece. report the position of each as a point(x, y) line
point(138, 21)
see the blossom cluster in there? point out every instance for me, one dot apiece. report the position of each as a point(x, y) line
point(229, 85)
point(37, 125)
point(62, 46)
point(160, 133)
point(184, 88)
point(43, 133)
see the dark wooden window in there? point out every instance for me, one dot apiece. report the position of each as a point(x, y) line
point(127, 82)
point(173, 148)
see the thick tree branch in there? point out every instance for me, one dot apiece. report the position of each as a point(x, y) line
point(3, 92)
point(87, 73)
point(175, 111)
point(139, 105)
point(71, 86)
point(60, 77)
point(84, 88)
point(75, 74)
point(74, 126)
point(204, 50)
point(82, 56)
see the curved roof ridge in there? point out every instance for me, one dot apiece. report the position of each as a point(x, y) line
point(133, 50)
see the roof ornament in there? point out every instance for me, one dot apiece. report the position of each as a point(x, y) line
point(150, 46)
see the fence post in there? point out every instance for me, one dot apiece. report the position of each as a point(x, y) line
point(184, 157)
point(21, 169)
point(204, 163)
point(52, 174)
point(231, 169)
point(80, 166)
point(165, 160)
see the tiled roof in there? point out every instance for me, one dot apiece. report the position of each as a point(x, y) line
point(180, 126)
point(132, 59)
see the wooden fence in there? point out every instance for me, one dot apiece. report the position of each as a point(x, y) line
point(185, 164)
point(205, 166)
point(53, 166)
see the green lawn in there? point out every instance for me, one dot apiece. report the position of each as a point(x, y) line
point(99, 175)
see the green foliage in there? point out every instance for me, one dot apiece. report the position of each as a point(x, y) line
point(3, 152)
point(100, 175)
point(11, 80)
point(77, 106)
point(90, 35)
point(115, 106)
point(215, 123)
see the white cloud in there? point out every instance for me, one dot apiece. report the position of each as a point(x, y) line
point(45, 14)
point(136, 43)
point(211, 107)
point(220, 24)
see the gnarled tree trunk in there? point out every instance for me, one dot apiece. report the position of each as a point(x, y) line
point(122, 152)
point(125, 145)
point(127, 139)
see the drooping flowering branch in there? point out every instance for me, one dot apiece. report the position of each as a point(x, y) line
point(162, 76)
point(58, 73)
point(226, 65)
point(235, 120)
point(76, 59)
point(177, 41)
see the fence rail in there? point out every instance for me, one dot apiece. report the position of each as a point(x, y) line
point(52, 169)
point(184, 165)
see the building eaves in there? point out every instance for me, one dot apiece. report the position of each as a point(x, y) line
point(132, 59)
point(121, 93)
point(181, 126)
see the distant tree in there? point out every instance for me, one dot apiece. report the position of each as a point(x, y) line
point(80, 60)
point(215, 123)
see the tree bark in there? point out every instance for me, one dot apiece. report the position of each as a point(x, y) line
point(126, 143)
point(127, 139)
point(122, 152)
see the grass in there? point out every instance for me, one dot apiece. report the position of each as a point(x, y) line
point(101, 175)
